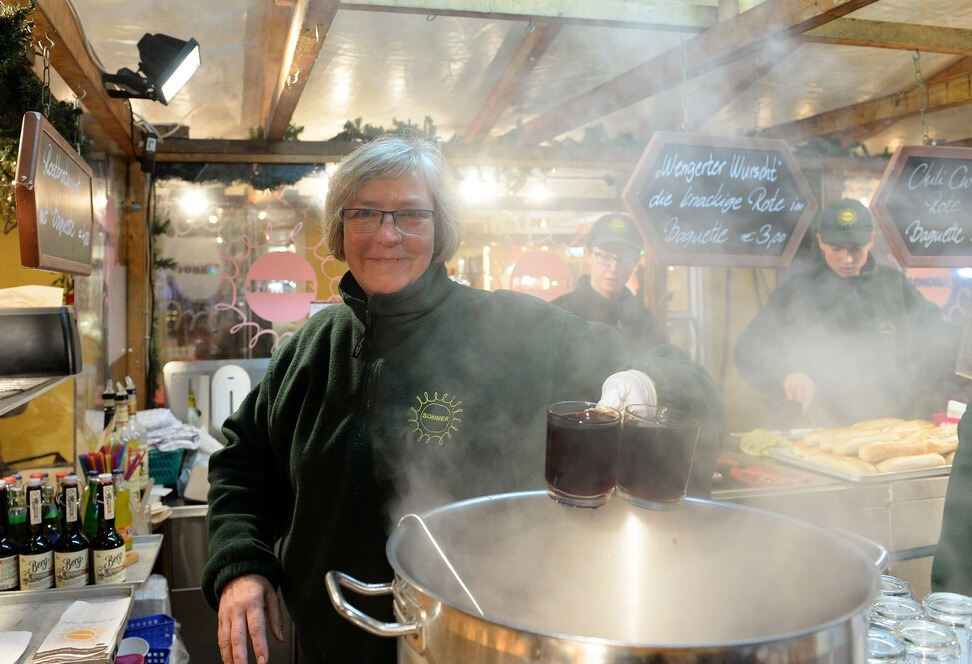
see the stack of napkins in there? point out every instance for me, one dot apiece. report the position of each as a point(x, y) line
point(86, 632)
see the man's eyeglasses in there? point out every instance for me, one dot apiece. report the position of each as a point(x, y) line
point(605, 258)
point(366, 220)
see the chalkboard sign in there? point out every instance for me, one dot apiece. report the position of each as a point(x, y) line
point(924, 206)
point(709, 200)
point(54, 200)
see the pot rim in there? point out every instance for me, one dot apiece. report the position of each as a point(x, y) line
point(831, 534)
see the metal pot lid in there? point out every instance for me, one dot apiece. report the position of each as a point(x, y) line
point(706, 573)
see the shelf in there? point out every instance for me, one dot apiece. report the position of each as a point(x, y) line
point(18, 391)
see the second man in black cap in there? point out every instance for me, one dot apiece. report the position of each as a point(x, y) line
point(848, 339)
point(611, 255)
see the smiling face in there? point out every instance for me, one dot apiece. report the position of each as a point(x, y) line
point(846, 260)
point(388, 260)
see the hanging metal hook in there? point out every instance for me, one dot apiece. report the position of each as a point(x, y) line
point(531, 27)
point(431, 17)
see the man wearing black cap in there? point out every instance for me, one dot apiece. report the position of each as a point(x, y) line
point(613, 250)
point(848, 339)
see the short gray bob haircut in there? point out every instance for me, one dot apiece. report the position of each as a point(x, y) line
point(394, 157)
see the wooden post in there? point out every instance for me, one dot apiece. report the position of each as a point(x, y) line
point(138, 316)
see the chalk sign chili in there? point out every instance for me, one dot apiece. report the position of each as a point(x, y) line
point(923, 206)
point(711, 200)
point(53, 193)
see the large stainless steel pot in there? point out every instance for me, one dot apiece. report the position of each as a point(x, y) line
point(707, 582)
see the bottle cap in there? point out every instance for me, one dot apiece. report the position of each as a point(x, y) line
point(93, 473)
point(34, 481)
point(70, 480)
point(104, 477)
point(33, 475)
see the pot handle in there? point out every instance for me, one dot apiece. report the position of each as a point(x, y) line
point(333, 580)
point(870, 548)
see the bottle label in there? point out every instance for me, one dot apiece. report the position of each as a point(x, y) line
point(36, 515)
point(71, 569)
point(71, 504)
point(8, 573)
point(109, 565)
point(36, 571)
point(108, 492)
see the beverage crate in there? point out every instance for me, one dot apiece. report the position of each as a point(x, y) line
point(157, 656)
point(157, 630)
point(164, 467)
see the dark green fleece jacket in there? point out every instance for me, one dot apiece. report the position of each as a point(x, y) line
point(952, 568)
point(872, 344)
point(399, 403)
point(625, 313)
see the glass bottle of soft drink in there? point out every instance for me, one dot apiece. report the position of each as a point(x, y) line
point(36, 551)
point(72, 549)
point(123, 507)
point(89, 518)
point(52, 517)
point(107, 547)
point(140, 479)
point(8, 551)
point(108, 402)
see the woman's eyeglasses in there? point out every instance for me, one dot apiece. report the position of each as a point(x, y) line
point(366, 220)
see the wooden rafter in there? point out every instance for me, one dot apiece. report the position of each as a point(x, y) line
point(531, 49)
point(310, 21)
point(725, 42)
point(652, 14)
point(864, 132)
point(890, 34)
point(941, 94)
point(265, 36)
point(71, 60)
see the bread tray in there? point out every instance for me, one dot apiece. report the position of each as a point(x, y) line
point(786, 455)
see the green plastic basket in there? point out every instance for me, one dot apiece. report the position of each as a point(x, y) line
point(164, 467)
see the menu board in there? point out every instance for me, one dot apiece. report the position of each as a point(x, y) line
point(710, 200)
point(924, 206)
point(54, 200)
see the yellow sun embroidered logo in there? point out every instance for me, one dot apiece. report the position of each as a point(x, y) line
point(847, 217)
point(618, 224)
point(436, 418)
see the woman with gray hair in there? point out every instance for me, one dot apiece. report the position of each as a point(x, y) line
point(415, 392)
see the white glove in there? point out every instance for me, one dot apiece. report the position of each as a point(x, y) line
point(626, 388)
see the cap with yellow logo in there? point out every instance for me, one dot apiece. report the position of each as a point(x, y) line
point(845, 222)
point(615, 229)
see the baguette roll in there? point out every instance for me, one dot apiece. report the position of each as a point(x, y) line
point(847, 464)
point(942, 439)
point(949, 458)
point(911, 425)
point(913, 462)
point(879, 424)
point(850, 446)
point(879, 451)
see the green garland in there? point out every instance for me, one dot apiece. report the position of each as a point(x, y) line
point(20, 92)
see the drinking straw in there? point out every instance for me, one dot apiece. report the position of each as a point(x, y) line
point(133, 466)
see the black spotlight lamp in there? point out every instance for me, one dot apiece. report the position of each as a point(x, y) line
point(165, 65)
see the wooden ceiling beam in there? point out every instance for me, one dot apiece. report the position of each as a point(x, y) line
point(310, 21)
point(265, 36)
point(531, 49)
point(730, 40)
point(941, 95)
point(650, 14)
point(892, 34)
point(71, 60)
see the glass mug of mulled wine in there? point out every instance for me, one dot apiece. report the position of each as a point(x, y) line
point(655, 455)
point(582, 448)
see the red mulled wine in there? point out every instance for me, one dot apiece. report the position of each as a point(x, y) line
point(655, 456)
point(582, 446)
